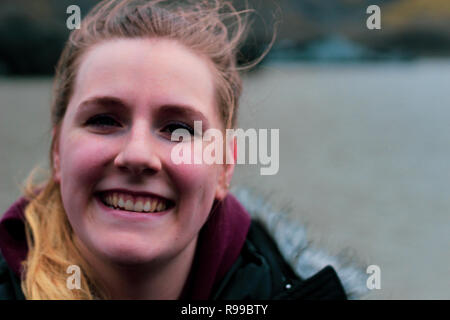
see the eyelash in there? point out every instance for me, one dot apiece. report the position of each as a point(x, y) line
point(98, 121)
point(178, 125)
point(94, 121)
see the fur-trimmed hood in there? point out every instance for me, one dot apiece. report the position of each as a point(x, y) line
point(292, 241)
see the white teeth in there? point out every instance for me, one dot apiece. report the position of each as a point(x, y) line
point(138, 206)
point(115, 199)
point(129, 205)
point(152, 205)
point(147, 206)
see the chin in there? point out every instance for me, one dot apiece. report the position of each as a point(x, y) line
point(125, 251)
point(130, 259)
point(126, 256)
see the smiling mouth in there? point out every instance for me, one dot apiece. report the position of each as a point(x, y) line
point(126, 202)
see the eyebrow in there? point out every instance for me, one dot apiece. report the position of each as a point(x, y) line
point(105, 101)
point(183, 109)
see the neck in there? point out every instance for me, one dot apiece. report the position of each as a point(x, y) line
point(161, 280)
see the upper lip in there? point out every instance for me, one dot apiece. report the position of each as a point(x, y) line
point(136, 193)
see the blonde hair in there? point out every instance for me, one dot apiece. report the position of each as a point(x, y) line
point(213, 29)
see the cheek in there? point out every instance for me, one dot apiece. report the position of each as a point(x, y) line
point(81, 160)
point(190, 175)
point(194, 177)
point(196, 181)
point(196, 185)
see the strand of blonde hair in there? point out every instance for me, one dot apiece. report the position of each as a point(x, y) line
point(51, 249)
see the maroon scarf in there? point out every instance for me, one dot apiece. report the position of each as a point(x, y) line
point(220, 242)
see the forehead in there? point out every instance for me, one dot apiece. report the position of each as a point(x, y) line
point(147, 72)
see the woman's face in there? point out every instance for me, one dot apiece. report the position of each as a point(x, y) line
point(115, 140)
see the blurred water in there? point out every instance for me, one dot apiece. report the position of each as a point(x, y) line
point(364, 159)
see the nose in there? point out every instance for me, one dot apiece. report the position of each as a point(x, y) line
point(138, 154)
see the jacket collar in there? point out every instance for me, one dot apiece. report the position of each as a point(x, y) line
point(305, 258)
point(219, 245)
point(13, 243)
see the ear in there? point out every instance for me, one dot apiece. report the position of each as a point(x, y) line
point(228, 169)
point(56, 157)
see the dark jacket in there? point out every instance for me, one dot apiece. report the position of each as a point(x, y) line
point(9, 283)
point(260, 273)
point(270, 265)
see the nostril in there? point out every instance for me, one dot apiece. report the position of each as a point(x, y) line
point(138, 163)
point(137, 171)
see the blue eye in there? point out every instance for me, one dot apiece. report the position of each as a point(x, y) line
point(102, 121)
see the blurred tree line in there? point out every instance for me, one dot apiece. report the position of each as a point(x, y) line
point(32, 33)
